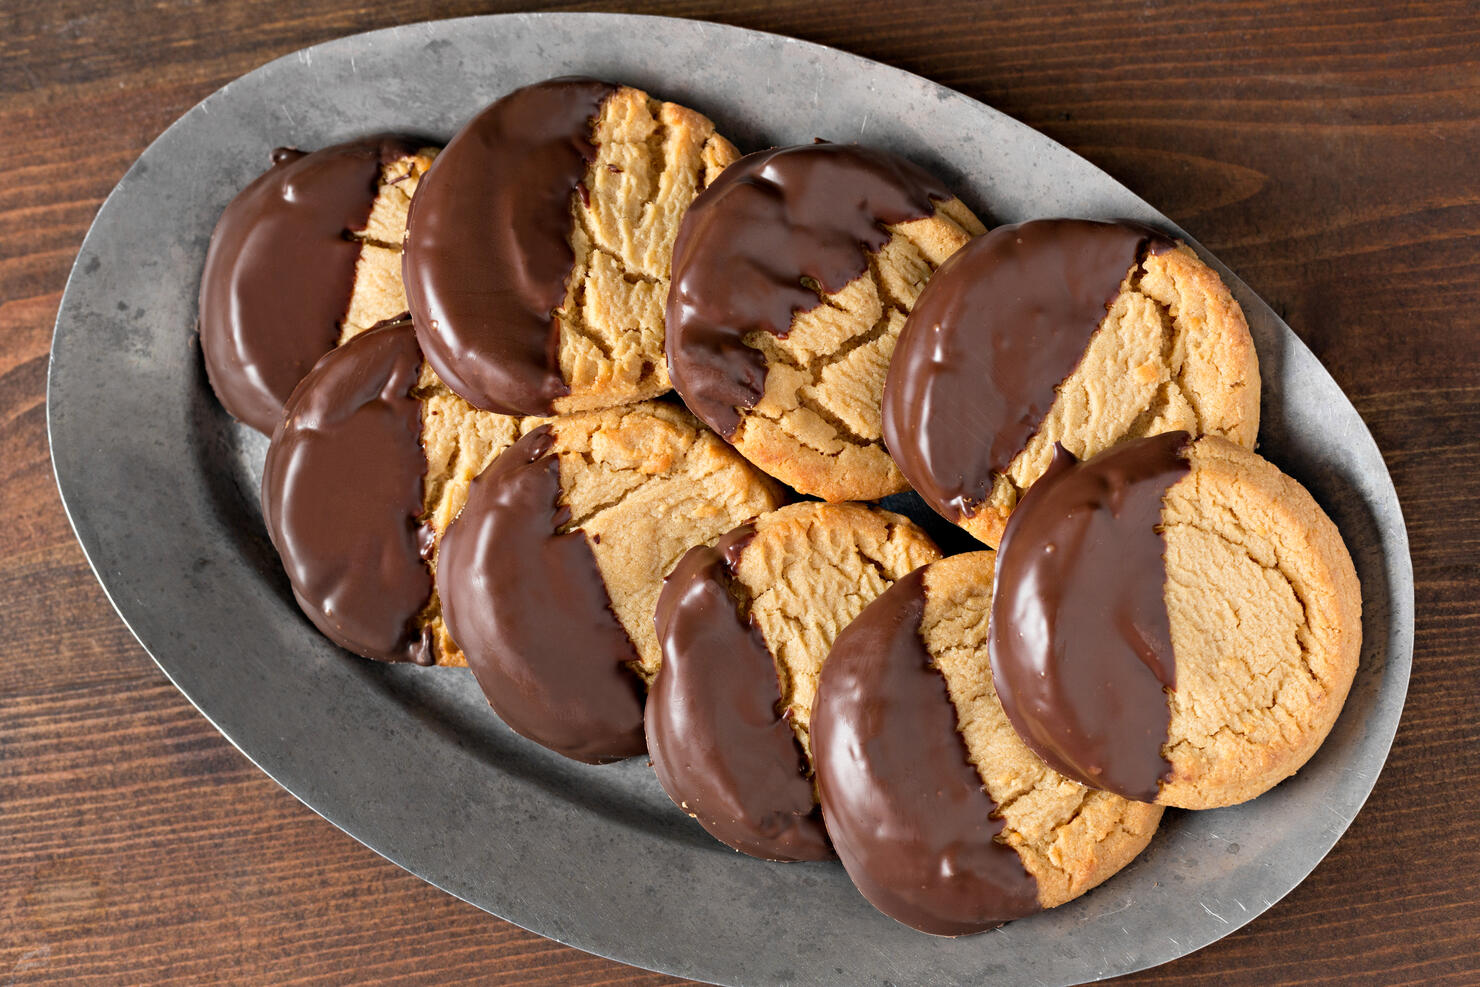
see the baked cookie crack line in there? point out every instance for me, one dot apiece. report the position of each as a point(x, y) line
point(689, 488)
point(1158, 405)
point(1230, 730)
point(597, 247)
point(372, 242)
point(1085, 796)
point(887, 298)
point(1172, 333)
point(1026, 787)
point(433, 486)
point(656, 145)
point(571, 318)
point(845, 435)
point(1160, 401)
point(1274, 678)
point(1291, 582)
point(655, 150)
point(877, 564)
point(814, 367)
point(577, 522)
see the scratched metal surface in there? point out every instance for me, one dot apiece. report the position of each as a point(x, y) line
point(410, 761)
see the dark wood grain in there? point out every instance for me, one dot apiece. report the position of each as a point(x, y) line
point(1328, 152)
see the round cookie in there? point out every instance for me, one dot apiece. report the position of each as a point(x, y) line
point(942, 817)
point(371, 462)
point(538, 251)
point(1064, 331)
point(1176, 621)
point(744, 627)
point(550, 575)
point(303, 258)
point(792, 276)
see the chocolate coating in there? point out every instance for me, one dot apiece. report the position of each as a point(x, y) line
point(1080, 640)
point(528, 607)
point(487, 245)
point(720, 749)
point(771, 220)
point(995, 332)
point(280, 270)
point(342, 496)
point(907, 810)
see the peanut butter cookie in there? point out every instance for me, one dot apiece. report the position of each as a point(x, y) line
point(792, 277)
point(550, 575)
point(744, 628)
point(1176, 621)
point(369, 466)
point(538, 252)
point(942, 817)
point(305, 257)
point(1060, 331)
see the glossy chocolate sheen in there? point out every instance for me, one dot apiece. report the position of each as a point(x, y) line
point(720, 747)
point(995, 332)
point(750, 243)
point(528, 607)
point(908, 813)
point(487, 245)
point(1080, 640)
point(280, 271)
point(342, 495)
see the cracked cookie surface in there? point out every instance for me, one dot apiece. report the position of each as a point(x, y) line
point(745, 627)
point(540, 247)
point(1070, 837)
point(645, 484)
point(792, 279)
point(1169, 350)
point(652, 159)
point(818, 426)
point(810, 569)
point(642, 483)
point(1266, 626)
point(549, 576)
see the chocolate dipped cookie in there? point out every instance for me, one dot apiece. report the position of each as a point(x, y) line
point(1061, 331)
point(538, 252)
point(792, 277)
point(943, 818)
point(1176, 621)
point(303, 258)
point(371, 462)
point(550, 575)
point(744, 627)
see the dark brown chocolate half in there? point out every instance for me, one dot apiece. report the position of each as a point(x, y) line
point(755, 248)
point(527, 606)
point(720, 747)
point(907, 811)
point(342, 496)
point(488, 250)
point(995, 332)
point(1080, 641)
point(280, 271)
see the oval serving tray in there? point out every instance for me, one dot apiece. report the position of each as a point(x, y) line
point(161, 489)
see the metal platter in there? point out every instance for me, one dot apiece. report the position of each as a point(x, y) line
point(161, 488)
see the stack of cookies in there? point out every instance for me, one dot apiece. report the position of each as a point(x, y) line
point(591, 403)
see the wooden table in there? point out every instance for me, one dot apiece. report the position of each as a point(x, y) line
point(1328, 152)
